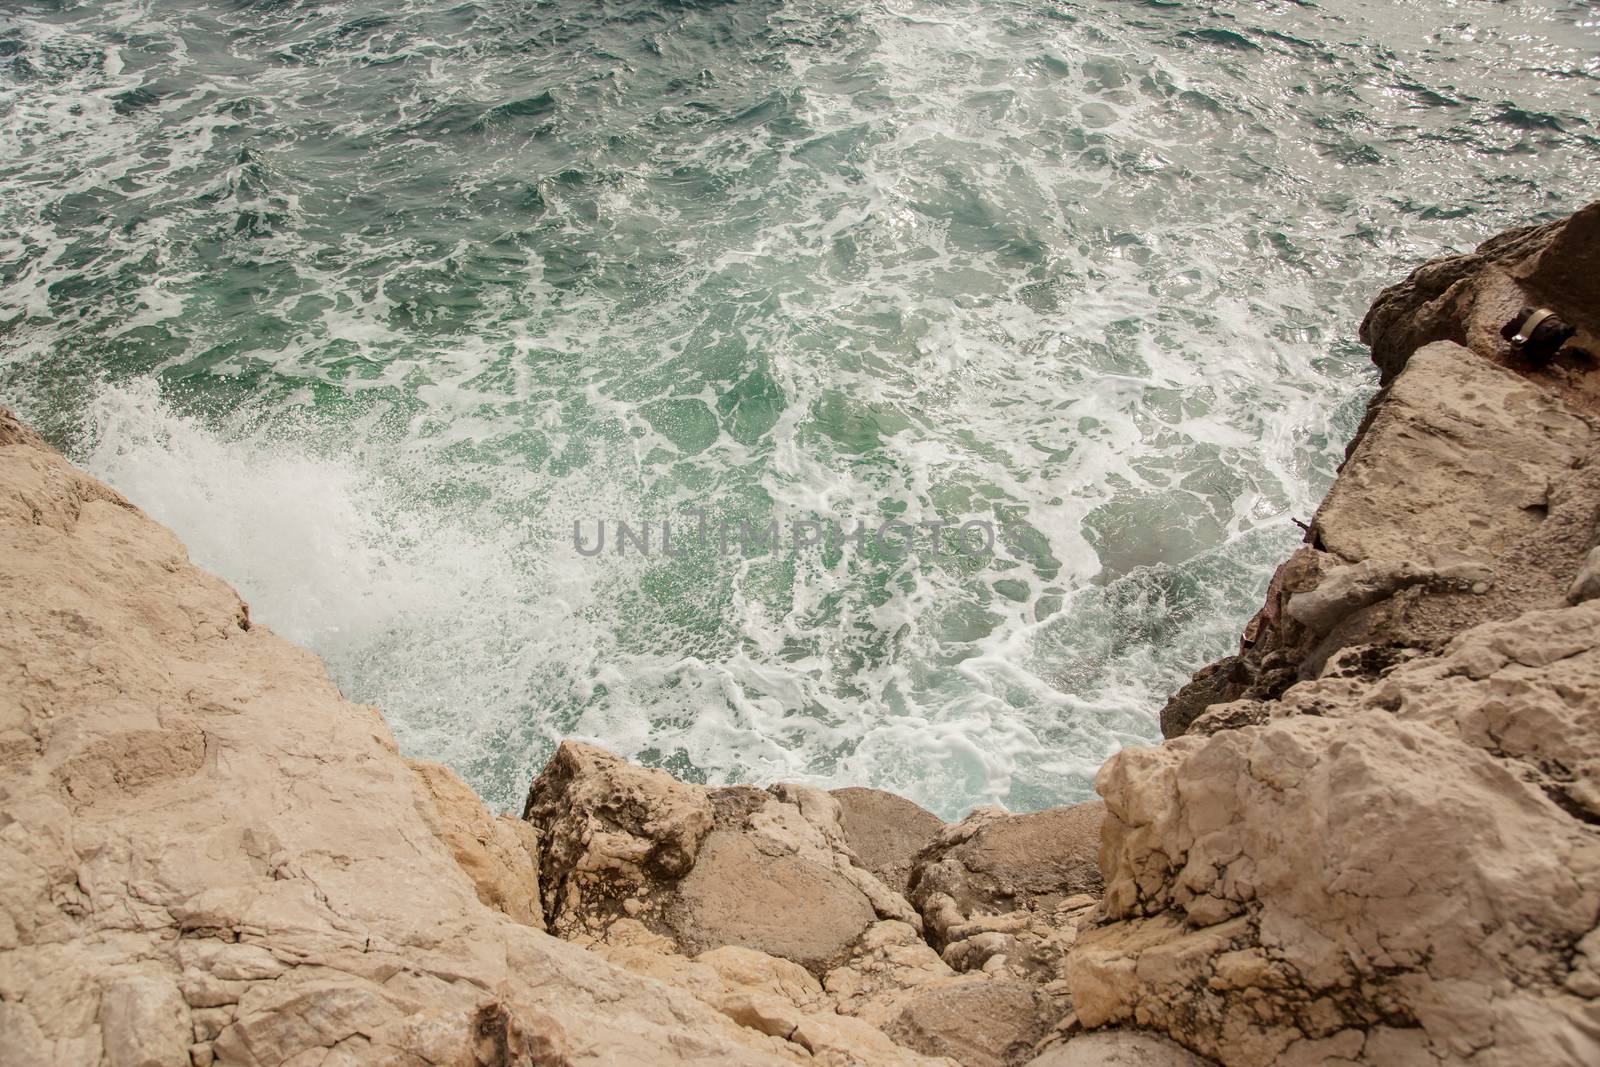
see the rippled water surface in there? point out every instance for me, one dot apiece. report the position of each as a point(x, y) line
point(372, 301)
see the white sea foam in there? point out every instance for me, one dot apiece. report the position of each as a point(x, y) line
point(1079, 270)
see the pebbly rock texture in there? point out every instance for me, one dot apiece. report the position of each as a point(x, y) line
point(1375, 835)
point(607, 827)
point(1005, 894)
point(207, 856)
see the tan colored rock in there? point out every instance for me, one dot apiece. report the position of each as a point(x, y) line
point(772, 997)
point(889, 961)
point(744, 968)
point(1525, 689)
point(500, 855)
point(1346, 590)
point(992, 863)
point(885, 832)
point(144, 1023)
point(1118, 1048)
point(976, 1021)
point(771, 871)
point(610, 831)
point(1586, 583)
point(1450, 422)
point(201, 835)
point(779, 904)
point(840, 1041)
point(1285, 892)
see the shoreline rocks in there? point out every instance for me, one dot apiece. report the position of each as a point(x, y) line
point(1373, 836)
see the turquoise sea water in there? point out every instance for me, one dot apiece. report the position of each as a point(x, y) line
point(372, 301)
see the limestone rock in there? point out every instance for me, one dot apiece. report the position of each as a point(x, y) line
point(144, 1023)
point(1392, 857)
point(885, 832)
point(1346, 590)
point(888, 962)
point(977, 1021)
point(207, 855)
point(772, 997)
point(1448, 423)
point(767, 869)
point(1005, 895)
point(1467, 299)
point(1586, 583)
point(1216, 683)
point(779, 904)
point(992, 863)
point(840, 1041)
point(1388, 877)
point(1118, 1048)
point(609, 830)
point(500, 855)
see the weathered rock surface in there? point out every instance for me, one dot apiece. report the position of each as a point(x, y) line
point(992, 863)
point(775, 878)
point(888, 963)
point(1381, 875)
point(769, 870)
point(772, 997)
point(1470, 495)
point(500, 855)
point(1118, 1048)
point(1377, 840)
point(208, 856)
point(608, 828)
point(1005, 894)
point(1467, 299)
point(779, 903)
point(978, 1021)
point(885, 832)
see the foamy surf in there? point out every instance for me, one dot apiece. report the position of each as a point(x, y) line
point(372, 303)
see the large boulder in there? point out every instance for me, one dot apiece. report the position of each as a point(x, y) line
point(978, 1021)
point(885, 832)
point(1387, 872)
point(767, 869)
point(610, 832)
point(770, 900)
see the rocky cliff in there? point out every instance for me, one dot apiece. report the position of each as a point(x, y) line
point(1373, 836)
